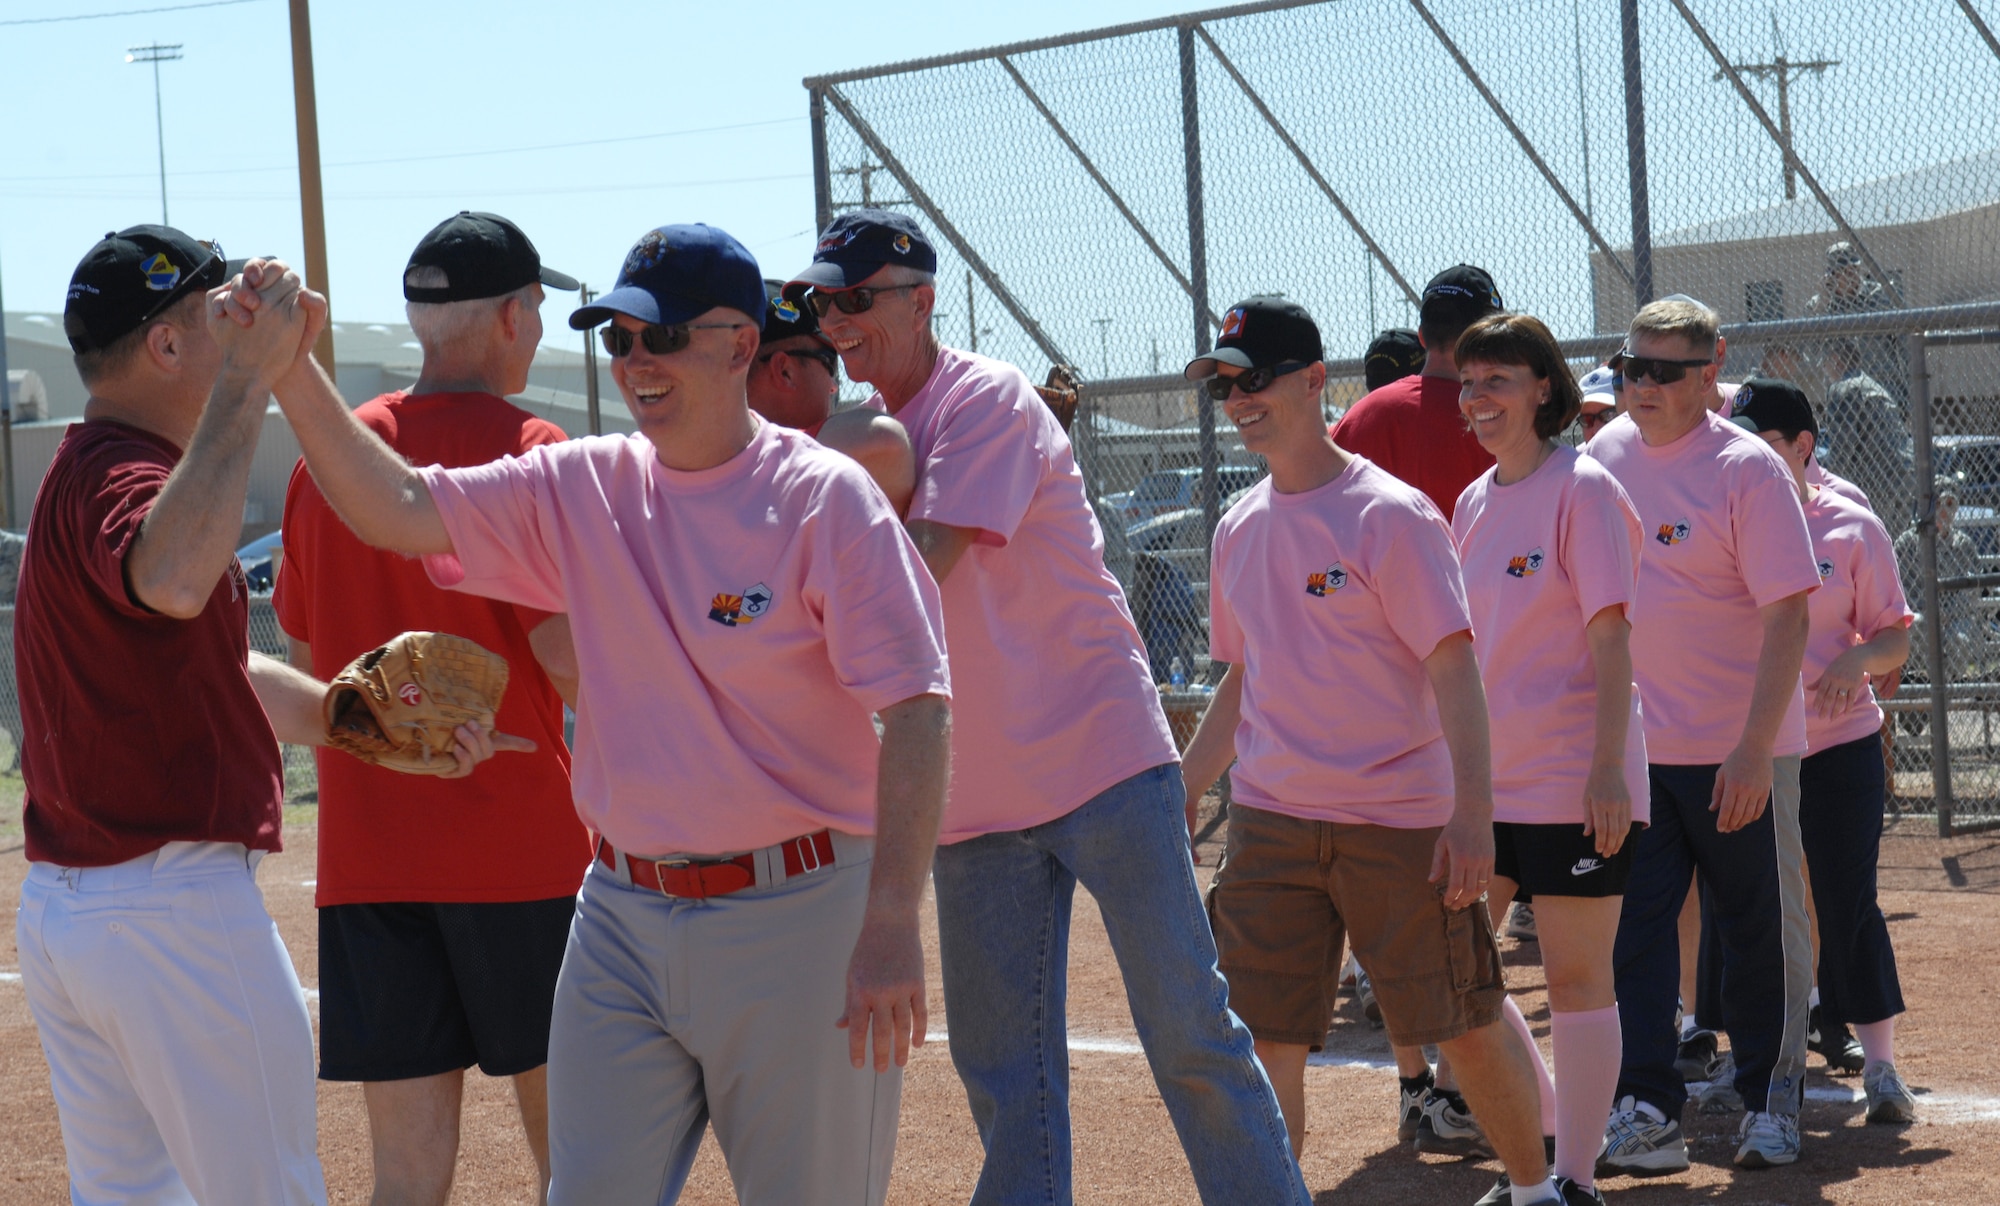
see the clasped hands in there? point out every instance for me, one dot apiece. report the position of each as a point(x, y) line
point(265, 320)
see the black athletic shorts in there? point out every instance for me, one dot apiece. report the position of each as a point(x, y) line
point(1560, 860)
point(409, 990)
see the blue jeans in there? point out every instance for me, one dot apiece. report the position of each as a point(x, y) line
point(1003, 920)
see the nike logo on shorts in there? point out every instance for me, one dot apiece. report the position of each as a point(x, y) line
point(1584, 866)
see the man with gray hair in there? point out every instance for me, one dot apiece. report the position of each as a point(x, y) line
point(444, 907)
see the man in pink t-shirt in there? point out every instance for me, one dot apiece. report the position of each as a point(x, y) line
point(1063, 769)
point(1860, 632)
point(1363, 801)
point(742, 602)
point(1716, 647)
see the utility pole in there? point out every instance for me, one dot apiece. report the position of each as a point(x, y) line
point(584, 298)
point(1782, 70)
point(157, 54)
point(865, 172)
point(312, 202)
point(971, 316)
point(1103, 345)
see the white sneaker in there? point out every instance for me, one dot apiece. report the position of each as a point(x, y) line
point(1768, 1140)
point(1521, 922)
point(1720, 1095)
point(1889, 1099)
point(1638, 1145)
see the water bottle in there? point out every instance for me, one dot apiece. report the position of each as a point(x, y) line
point(1177, 675)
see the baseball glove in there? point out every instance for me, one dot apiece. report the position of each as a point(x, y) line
point(396, 706)
point(1060, 393)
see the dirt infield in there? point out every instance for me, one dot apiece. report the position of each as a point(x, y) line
point(1943, 901)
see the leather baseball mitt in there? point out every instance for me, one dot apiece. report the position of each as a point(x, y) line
point(396, 706)
point(1061, 393)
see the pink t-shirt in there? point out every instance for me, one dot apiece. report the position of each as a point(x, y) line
point(735, 627)
point(1331, 600)
point(1541, 558)
point(1055, 699)
point(1860, 594)
point(1724, 536)
point(1817, 476)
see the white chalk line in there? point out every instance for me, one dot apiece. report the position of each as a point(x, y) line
point(1934, 1105)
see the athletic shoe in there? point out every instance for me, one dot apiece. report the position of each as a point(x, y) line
point(1576, 1195)
point(1637, 1146)
point(1889, 1099)
point(1411, 1106)
point(1768, 1140)
point(1521, 922)
point(1502, 1193)
point(1720, 1095)
point(1697, 1052)
point(1446, 1127)
point(1836, 1044)
point(1364, 988)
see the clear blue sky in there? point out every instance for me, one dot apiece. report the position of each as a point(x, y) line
point(426, 108)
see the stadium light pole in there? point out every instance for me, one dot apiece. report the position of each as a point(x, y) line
point(312, 201)
point(157, 54)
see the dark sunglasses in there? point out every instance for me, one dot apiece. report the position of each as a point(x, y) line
point(1663, 372)
point(1591, 420)
point(826, 356)
point(849, 301)
point(212, 273)
point(659, 340)
point(1251, 381)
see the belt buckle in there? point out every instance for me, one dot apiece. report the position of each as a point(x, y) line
point(661, 867)
point(808, 847)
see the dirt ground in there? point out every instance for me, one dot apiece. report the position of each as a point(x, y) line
point(1943, 902)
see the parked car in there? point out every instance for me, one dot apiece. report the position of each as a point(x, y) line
point(260, 561)
point(1166, 490)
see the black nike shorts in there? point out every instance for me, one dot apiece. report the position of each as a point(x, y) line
point(1560, 860)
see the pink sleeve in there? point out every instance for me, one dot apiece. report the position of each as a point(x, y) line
point(1422, 589)
point(879, 610)
point(984, 467)
point(497, 519)
point(1773, 549)
point(1600, 546)
point(1225, 635)
point(1878, 588)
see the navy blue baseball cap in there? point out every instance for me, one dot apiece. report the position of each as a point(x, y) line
point(676, 274)
point(857, 245)
point(784, 319)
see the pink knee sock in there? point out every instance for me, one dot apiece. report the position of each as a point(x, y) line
point(1512, 1013)
point(1878, 1040)
point(1589, 1049)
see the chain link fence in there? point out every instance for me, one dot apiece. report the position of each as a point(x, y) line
point(1823, 173)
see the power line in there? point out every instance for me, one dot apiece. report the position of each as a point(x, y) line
point(348, 163)
point(129, 12)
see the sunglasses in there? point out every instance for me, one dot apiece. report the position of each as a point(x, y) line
point(1251, 381)
point(826, 356)
point(1663, 372)
point(659, 340)
point(1591, 420)
point(849, 301)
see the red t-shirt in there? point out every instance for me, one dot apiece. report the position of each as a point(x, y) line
point(510, 831)
point(137, 729)
point(1413, 429)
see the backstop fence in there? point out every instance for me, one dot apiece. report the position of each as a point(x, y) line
point(1823, 173)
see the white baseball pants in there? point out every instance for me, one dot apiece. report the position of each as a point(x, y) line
point(175, 1030)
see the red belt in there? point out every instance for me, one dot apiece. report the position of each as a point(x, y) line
point(697, 879)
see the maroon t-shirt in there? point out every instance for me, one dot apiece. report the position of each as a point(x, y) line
point(1413, 428)
point(138, 729)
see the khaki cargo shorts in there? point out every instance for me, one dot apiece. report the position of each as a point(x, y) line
point(1289, 890)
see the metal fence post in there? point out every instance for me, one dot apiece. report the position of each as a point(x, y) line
point(822, 165)
point(1211, 506)
point(1920, 430)
point(593, 410)
point(1635, 155)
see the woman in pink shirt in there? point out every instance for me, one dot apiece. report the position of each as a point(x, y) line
point(1860, 634)
point(1549, 543)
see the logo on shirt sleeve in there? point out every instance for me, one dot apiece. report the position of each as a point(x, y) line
point(1825, 569)
point(1319, 585)
point(1673, 533)
point(737, 611)
point(1525, 567)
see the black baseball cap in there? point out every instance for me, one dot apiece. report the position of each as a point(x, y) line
point(1392, 355)
point(784, 319)
point(131, 277)
point(1263, 332)
point(481, 255)
point(857, 244)
point(1460, 294)
point(1772, 404)
point(675, 274)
